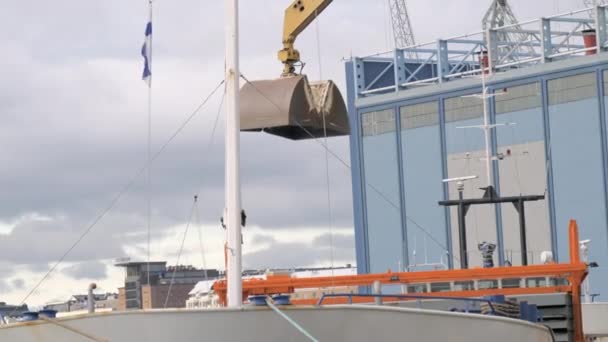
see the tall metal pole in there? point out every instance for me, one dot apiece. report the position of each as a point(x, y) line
point(233, 186)
point(462, 229)
point(149, 147)
point(487, 129)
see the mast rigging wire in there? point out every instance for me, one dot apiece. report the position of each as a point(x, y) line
point(212, 136)
point(199, 228)
point(181, 249)
point(117, 197)
point(197, 218)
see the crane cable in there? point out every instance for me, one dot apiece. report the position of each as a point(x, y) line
point(197, 218)
point(348, 166)
point(327, 173)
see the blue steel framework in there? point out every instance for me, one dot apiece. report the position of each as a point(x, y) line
point(454, 59)
point(595, 64)
point(543, 40)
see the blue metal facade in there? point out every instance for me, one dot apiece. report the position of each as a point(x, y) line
point(570, 126)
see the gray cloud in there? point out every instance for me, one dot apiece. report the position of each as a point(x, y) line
point(87, 270)
point(339, 241)
point(47, 241)
point(18, 283)
point(5, 286)
point(262, 239)
point(293, 254)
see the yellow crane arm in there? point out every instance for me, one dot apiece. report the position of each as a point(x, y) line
point(297, 17)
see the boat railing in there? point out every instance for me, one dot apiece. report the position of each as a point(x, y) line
point(550, 278)
point(418, 298)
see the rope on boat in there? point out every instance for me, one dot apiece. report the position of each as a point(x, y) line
point(181, 249)
point(291, 321)
point(72, 329)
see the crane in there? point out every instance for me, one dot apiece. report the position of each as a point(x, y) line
point(593, 3)
point(402, 27)
point(291, 106)
point(500, 14)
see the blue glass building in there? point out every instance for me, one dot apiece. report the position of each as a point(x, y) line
point(413, 123)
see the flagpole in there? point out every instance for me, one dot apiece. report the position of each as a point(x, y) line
point(149, 172)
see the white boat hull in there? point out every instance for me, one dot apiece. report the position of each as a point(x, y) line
point(334, 323)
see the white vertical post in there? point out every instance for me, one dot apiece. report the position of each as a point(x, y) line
point(377, 290)
point(584, 246)
point(233, 186)
point(91, 298)
point(486, 129)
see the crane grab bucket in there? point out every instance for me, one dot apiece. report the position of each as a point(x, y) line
point(293, 108)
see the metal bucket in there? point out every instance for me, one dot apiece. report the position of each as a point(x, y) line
point(293, 108)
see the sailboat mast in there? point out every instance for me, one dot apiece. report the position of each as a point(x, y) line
point(233, 185)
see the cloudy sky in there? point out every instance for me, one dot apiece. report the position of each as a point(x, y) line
point(73, 129)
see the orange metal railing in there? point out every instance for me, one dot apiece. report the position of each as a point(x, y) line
point(573, 274)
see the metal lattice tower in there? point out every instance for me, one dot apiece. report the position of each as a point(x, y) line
point(593, 3)
point(402, 27)
point(500, 14)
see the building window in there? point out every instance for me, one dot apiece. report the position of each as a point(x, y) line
point(132, 305)
point(572, 89)
point(420, 115)
point(463, 108)
point(522, 168)
point(382, 191)
point(576, 158)
point(465, 146)
point(423, 187)
point(376, 123)
point(518, 99)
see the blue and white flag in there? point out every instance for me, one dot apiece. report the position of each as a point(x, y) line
point(146, 52)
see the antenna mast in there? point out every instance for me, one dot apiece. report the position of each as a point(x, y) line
point(402, 27)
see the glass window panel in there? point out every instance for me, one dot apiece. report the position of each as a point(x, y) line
point(597, 249)
point(576, 153)
point(422, 171)
point(522, 168)
point(465, 147)
point(383, 204)
point(573, 89)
